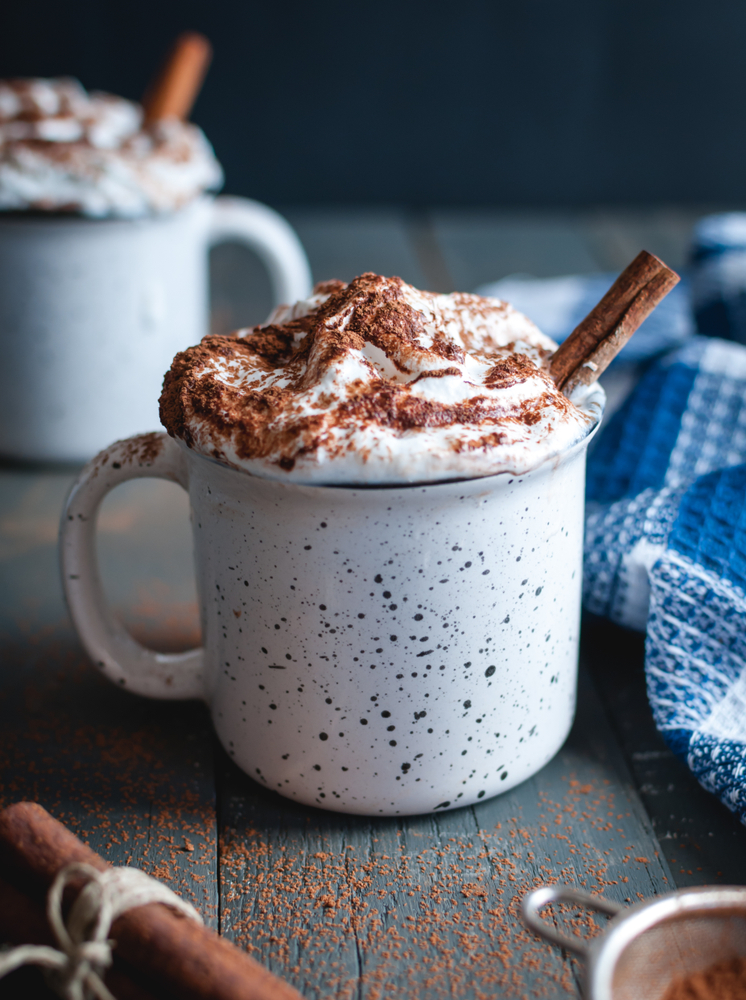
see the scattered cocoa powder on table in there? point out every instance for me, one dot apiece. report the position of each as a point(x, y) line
point(426, 908)
point(722, 981)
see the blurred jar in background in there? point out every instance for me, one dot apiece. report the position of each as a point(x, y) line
point(718, 275)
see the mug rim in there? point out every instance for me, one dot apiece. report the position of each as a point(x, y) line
point(345, 489)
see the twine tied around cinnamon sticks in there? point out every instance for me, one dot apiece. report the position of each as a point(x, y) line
point(76, 968)
point(158, 952)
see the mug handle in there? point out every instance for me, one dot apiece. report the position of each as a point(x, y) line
point(111, 647)
point(270, 236)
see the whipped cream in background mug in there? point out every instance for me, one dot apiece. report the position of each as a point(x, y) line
point(62, 148)
point(387, 506)
point(105, 224)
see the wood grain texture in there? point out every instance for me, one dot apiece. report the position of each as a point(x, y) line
point(343, 243)
point(483, 246)
point(350, 907)
point(133, 778)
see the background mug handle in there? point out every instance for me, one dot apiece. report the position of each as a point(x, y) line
point(271, 237)
point(111, 647)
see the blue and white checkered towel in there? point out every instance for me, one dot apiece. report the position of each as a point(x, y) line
point(666, 522)
point(666, 550)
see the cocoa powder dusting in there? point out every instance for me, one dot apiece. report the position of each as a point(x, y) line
point(722, 981)
point(261, 394)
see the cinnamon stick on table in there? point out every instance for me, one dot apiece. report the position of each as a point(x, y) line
point(23, 920)
point(175, 89)
point(175, 955)
point(596, 341)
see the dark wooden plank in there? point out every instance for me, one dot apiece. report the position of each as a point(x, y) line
point(133, 777)
point(618, 235)
point(428, 906)
point(703, 842)
point(484, 246)
point(342, 243)
point(429, 252)
point(451, 249)
point(240, 291)
point(145, 553)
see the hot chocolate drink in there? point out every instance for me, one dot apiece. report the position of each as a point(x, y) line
point(410, 647)
point(63, 149)
point(374, 382)
point(390, 598)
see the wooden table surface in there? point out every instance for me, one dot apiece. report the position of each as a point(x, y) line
point(344, 907)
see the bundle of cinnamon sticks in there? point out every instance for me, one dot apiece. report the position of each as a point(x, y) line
point(158, 952)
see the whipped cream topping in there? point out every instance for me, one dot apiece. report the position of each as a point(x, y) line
point(63, 149)
point(377, 383)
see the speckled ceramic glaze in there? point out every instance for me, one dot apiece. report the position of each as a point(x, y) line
point(377, 651)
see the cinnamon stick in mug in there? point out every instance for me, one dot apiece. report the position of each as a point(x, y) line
point(174, 954)
point(596, 341)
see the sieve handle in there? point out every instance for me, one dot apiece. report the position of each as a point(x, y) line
point(535, 901)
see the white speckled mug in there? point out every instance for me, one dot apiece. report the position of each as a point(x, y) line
point(92, 312)
point(378, 651)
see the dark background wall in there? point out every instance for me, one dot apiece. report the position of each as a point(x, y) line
point(469, 102)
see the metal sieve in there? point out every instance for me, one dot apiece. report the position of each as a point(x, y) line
point(645, 947)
